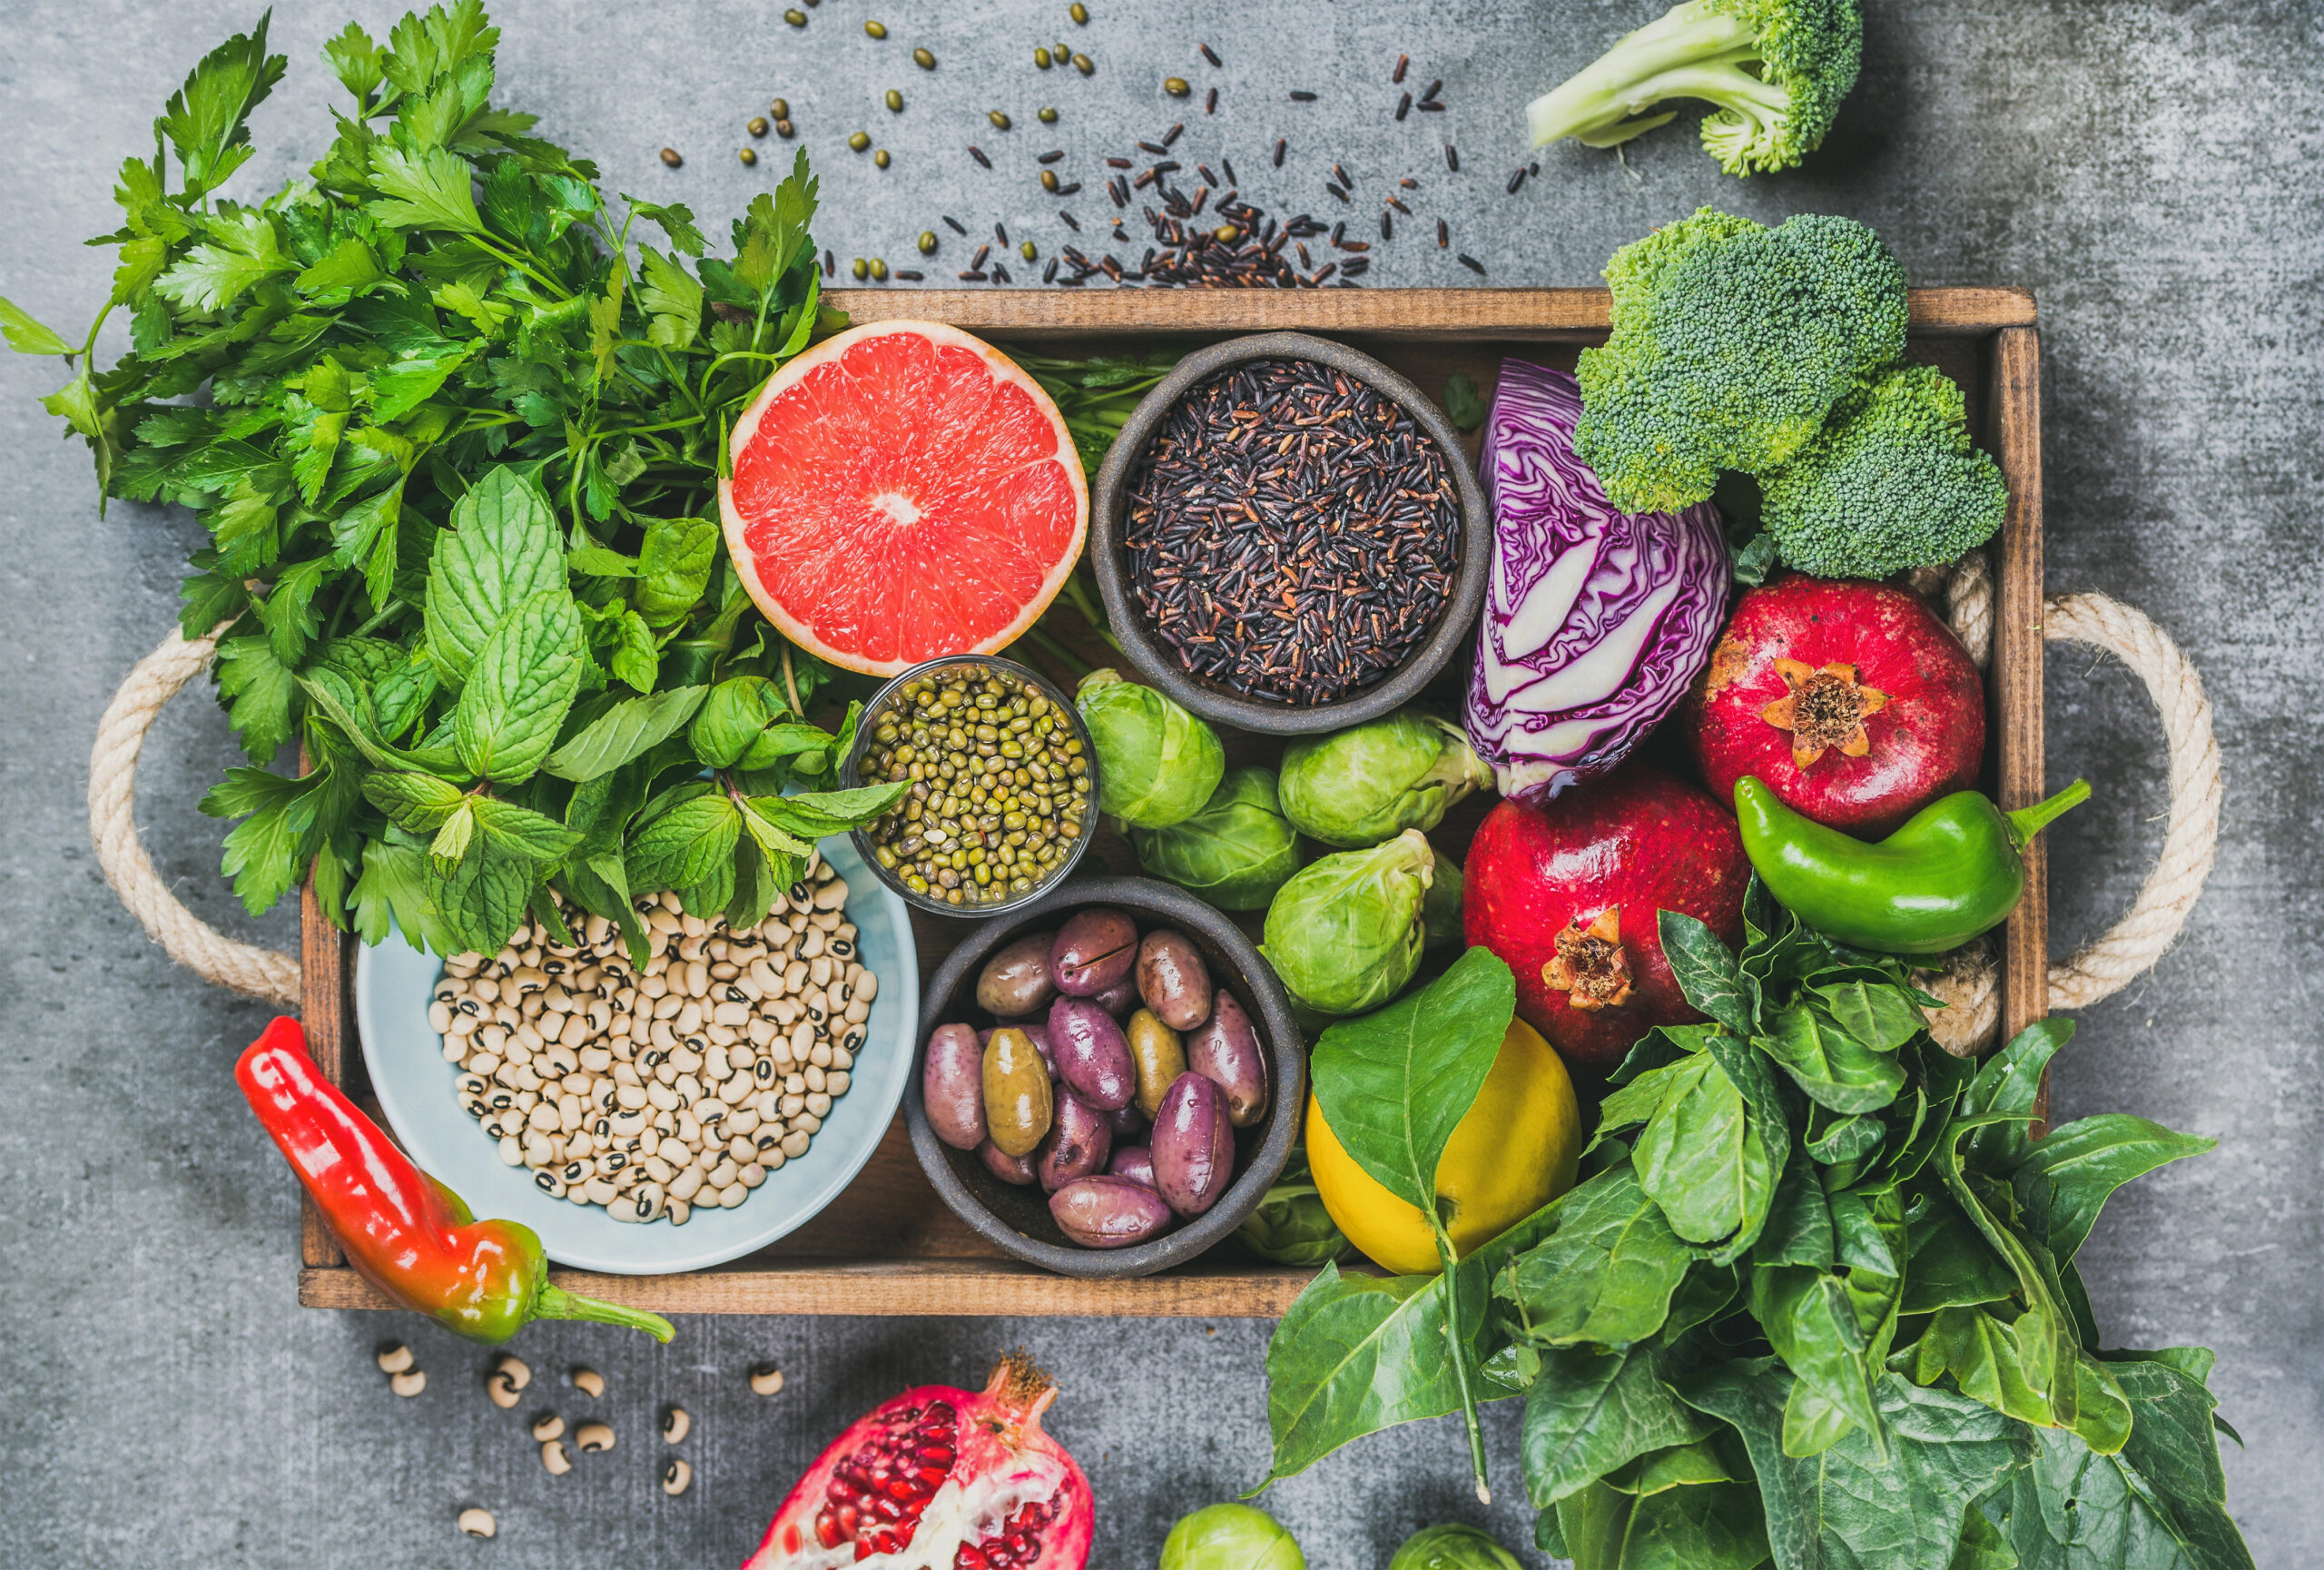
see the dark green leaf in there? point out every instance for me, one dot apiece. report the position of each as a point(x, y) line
point(1607, 1276)
point(260, 691)
point(685, 844)
point(624, 732)
point(1590, 1412)
point(1394, 1084)
point(24, 334)
point(1952, 1264)
point(1844, 1139)
point(1846, 1506)
point(730, 718)
point(1703, 1157)
point(1988, 1362)
point(1704, 970)
point(1833, 1067)
point(2172, 1445)
point(814, 814)
point(205, 120)
point(484, 898)
point(1464, 406)
point(395, 887)
point(2011, 1081)
point(2066, 1176)
point(674, 568)
point(1714, 1527)
point(1799, 1224)
point(423, 188)
point(521, 833)
point(1877, 1013)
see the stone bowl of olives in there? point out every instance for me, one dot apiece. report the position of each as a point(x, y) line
point(1108, 1079)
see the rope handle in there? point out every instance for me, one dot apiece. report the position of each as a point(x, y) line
point(1968, 982)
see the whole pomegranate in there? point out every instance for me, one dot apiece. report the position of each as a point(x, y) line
point(1569, 892)
point(1853, 702)
point(941, 1478)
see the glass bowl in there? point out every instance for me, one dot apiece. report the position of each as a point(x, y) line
point(897, 700)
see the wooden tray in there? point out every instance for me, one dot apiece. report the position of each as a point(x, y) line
point(888, 1246)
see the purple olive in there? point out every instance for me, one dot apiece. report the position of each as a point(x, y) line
point(1192, 1145)
point(1120, 998)
point(1016, 981)
point(1091, 1054)
point(1107, 1212)
point(1093, 951)
point(1079, 1141)
point(1036, 1027)
point(1173, 980)
point(951, 1080)
point(1015, 1169)
point(1226, 1050)
point(1129, 1124)
point(1135, 1162)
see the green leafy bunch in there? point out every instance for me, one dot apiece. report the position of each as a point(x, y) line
point(457, 446)
point(1814, 1304)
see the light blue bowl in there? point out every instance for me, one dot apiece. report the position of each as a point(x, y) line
point(393, 983)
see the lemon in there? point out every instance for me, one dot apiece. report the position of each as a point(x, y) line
point(1514, 1153)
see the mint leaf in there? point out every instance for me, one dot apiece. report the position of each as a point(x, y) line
point(637, 659)
point(685, 846)
point(818, 814)
point(503, 550)
point(417, 802)
point(522, 832)
point(674, 568)
point(484, 897)
point(626, 731)
point(524, 680)
point(25, 335)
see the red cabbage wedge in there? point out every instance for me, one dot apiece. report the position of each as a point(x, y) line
point(1598, 620)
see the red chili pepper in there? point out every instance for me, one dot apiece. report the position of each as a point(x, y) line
point(407, 1234)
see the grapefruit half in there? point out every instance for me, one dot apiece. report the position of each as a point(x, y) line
point(902, 493)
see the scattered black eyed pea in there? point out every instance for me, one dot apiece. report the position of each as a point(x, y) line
point(766, 1379)
point(548, 1427)
point(594, 1438)
point(676, 1477)
point(395, 1359)
point(515, 1369)
point(675, 1425)
point(555, 1458)
point(408, 1383)
point(477, 1523)
point(589, 1382)
point(501, 1392)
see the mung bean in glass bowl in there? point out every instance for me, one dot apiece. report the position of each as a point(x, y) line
point(1004, 784)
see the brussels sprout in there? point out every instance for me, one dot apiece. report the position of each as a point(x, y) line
point(1346, 933)
point(1452, 1547)
point(1231, 1538)
point(1291, 1226)
point(1235, 853)
point(1440, 910)
point(1361, 786)
point(1157, 764)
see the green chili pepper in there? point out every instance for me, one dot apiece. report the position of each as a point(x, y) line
point(1954, 871)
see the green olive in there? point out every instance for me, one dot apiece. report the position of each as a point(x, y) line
point(1018, 1102)
point(1157, 1054)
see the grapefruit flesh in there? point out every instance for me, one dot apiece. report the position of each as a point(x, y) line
point(902, 493)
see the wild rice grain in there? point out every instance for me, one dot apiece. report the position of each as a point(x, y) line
point(1279, 145)
point(1452, 158)
point(1516, 180)
point(1396, 77)
point(1443, 234)
point(1297, 97)
point(1210, 55)
point(1403, 105)
point(977, 152)
point(1472, 263)
point(953, 224)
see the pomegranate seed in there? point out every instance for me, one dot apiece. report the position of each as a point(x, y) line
point(903, 1489)
point(968, 1558)
point(850, 1517)
point(936, 1456)
point(887, 1509)
point(827, 1530)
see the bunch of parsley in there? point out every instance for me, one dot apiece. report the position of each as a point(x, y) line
point(1814, 1303)
point(457, 447)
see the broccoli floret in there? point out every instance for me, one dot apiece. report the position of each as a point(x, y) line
point(1777, 70)
point(1892, 483)
point(1731, 344)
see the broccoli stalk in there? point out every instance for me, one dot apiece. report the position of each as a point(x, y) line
point(1776, 71)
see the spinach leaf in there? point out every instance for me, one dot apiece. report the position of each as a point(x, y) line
point(1704, 970)
point(1702, 1158)
point(1988, 1363)
point(1849, 1506)
point(1952, 1265)
point(2011, 1082)
point(1606, 1277)
point(1590, 1412)
point(2065, 1178)
point(1833, 1067)
point(1707, 1527)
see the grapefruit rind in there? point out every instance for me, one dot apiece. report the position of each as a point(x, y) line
point(918, 552)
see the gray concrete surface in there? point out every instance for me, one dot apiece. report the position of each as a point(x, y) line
point(2153, 169)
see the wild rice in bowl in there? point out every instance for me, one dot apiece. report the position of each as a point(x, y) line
point(683, 1084)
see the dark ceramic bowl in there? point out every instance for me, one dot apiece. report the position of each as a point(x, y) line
point(886, 702)
point(1153, 659)
point(1017, 1218)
